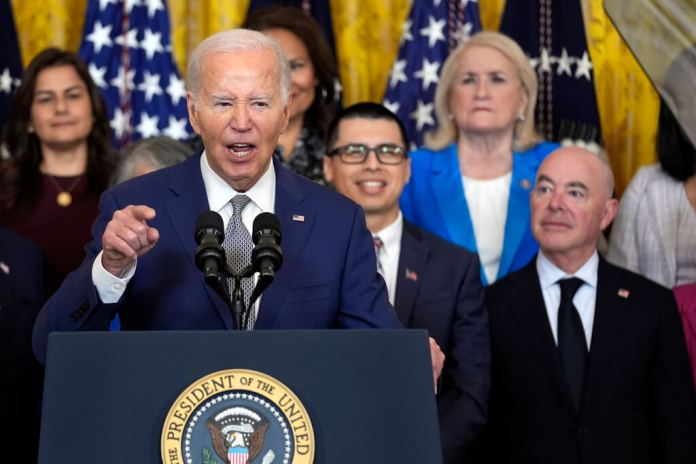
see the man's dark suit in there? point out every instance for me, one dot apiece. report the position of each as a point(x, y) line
point(21, 297)
point(328, 278)
point(438, 288)
point(638, 404)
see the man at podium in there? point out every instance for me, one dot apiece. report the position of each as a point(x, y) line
point(140, 263)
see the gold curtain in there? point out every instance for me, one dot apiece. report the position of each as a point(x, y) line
point(194, 20)
point(45, 23)
point(367, 37)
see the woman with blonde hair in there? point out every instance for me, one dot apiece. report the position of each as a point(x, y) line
point(471, 182)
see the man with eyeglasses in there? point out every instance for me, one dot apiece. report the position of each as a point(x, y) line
point(432, 284)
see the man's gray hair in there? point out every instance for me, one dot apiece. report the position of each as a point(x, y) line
point(236, 40)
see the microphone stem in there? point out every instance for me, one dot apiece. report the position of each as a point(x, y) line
point(238, 308)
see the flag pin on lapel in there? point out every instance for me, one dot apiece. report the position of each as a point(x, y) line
point(298, 217)
point(411, 275)
point(4, 267)
point(623, 293)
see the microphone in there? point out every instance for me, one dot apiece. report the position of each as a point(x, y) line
point(210, 256)
point(266, 257)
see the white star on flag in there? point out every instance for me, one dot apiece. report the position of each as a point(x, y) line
point(151, 43)
point(176, 89)
point(406, 31)
point(148, 126)
point(393, 107)
point(124, 81)
point(434, 31)
point(564, 62)
point(398, 74)
point(428, 73)
point(423, 115)
point(100, 36)
point(584, 66)
point(176, 128)
point(98, 75)
point(6, 81)
point(150, 85)
point(120, 123)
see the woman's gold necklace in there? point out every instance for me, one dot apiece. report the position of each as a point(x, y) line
point(64, 197)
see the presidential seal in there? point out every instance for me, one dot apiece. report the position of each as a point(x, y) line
point(237, 416)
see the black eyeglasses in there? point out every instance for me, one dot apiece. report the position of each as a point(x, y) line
point(356, 153)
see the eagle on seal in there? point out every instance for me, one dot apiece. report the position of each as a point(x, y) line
point(223, 441)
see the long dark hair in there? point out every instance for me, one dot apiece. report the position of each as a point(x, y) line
point(674, 150)
point(21, 178)
point(307, 30)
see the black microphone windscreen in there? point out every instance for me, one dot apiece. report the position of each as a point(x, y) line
point(209, 220)
point(267, 221)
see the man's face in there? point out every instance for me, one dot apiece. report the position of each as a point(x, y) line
point(571, 203)
point(373, 185)
point(239, 114)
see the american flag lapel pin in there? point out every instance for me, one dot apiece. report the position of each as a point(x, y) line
point(623, 293)
point(4, 267)
point(298, 217)
point(411, 275)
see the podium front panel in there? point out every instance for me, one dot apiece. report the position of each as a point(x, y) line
point(368, 393)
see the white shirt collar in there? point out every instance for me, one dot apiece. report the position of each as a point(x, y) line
point(219, 192)
point(550, 274)
point(391, 236)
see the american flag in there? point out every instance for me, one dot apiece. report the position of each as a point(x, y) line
point(238, 455)
point(127, 46)
point(10, 61)
point(432, 29)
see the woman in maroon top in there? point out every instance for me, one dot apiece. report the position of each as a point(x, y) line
point(60, 160)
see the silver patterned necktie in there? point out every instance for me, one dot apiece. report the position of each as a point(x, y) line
point(379, 250)
point(238, 246)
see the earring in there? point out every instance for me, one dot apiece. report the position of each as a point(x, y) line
point(450, 117)
point(324, 93)
point(521, 117)
point(30, 129)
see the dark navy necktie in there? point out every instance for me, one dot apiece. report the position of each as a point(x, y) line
point(572, 345)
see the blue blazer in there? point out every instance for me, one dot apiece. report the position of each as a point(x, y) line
point(450, 305)
point(328, 278)
point(434, 199)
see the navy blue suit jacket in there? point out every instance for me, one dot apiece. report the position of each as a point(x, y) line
point(21, 297)
point(328, 278)
point(438, 288)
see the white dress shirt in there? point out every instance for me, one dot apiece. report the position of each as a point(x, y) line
point(389, 255)
point(219, 193)
point(584, 299)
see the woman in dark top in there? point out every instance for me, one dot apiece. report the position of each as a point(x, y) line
point(313, 94)
point(57, 137)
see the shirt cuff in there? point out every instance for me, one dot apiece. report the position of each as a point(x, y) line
point(109, 287)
